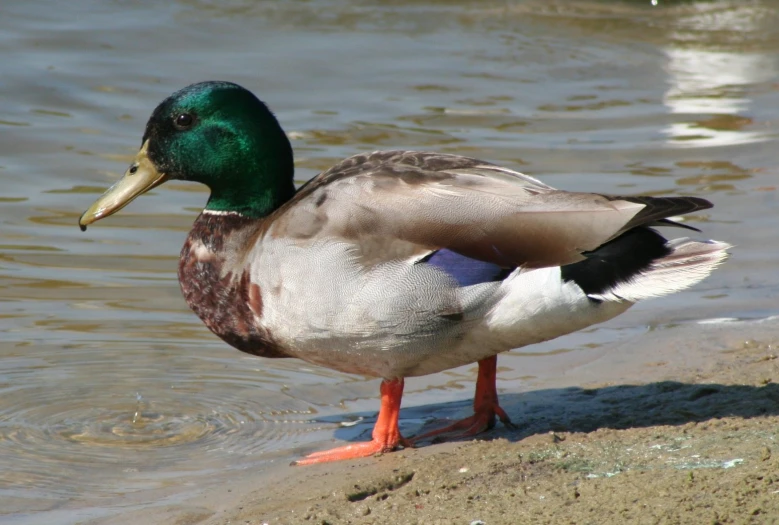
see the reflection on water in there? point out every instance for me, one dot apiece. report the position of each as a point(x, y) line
point(710, 74)
point(114, 396)
point(712, 85)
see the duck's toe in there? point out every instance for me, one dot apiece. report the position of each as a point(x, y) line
point(481, 421)
point(386, 434)
point(355, 450)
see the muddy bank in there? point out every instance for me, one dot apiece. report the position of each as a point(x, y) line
point(694, 445)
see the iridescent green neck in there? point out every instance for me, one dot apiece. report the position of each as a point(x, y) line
point(256, 192)
point(252, 171)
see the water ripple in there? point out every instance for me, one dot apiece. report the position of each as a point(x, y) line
point(184, 421)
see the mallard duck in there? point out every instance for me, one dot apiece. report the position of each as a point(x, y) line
point(394, 264)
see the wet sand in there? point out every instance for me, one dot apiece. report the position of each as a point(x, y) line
point(689, 444)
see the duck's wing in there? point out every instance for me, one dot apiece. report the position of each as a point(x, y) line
point(396, 204)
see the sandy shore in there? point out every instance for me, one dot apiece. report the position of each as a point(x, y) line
point(694, 444)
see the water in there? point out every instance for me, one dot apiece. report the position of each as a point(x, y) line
point(114, 397)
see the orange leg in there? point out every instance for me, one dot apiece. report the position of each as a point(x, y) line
point(386, 435)
point(485, 408)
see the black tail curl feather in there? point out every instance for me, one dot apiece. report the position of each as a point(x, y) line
point(617, 261)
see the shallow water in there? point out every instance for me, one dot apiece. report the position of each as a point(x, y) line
point(113, 396)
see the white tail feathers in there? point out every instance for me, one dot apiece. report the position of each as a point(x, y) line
point(688, 263)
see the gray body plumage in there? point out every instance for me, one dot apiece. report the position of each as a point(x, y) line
point(338, 267)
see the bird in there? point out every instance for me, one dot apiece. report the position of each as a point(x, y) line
point(395, 264)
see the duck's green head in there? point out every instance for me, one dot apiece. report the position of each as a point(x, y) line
point(215, 133)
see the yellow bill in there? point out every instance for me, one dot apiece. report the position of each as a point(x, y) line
point(140, 177)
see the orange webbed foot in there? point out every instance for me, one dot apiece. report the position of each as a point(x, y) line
point(479, 422)
point(485, 408)
point(353, 451)
point(386, 434)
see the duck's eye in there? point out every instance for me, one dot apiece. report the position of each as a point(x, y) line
point(184, 121)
